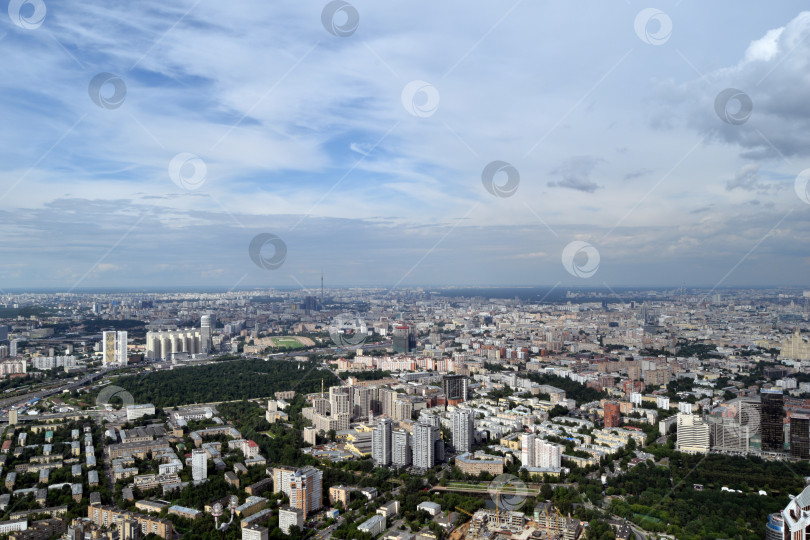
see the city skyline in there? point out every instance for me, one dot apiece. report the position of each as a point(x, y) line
point(253, 146)
point(471, 410)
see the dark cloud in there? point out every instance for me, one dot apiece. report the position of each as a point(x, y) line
point(576, 173)
point(637, 174)
point(748, 178)
point(773, 81)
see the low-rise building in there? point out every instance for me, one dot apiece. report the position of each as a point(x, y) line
point(432, 508)
point(150, 506)
point(254, 532)
point(184, 512)
point(104, 516)
point(374, 525)
point(389, 509)
point(475, 464)
point(251, 505)
point(137, 411)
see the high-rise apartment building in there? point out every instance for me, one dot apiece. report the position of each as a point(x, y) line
point(728, 435)
point(363, 398)
point(306, 489)
point(536, 452)
point(613, 417)
point(548, 455)
point(207, 323)
point(693, 434)
point(12, 367)
point(527, 449)
point(800, 436)
point(199, 465)
point(387, 398)
point(772, 421)
point(163, 344)
point(321, 405)
point(430, 419)
point(455, 387)
point(401, 451)
point(404, 339)
point(403, 410)
point(340, 401)
point(462, 429)
point(749, 414)
point(114, 348)
point(303, 486)
point(310, 435)
point(381, 443)
point(281, 479)
point(424, 445)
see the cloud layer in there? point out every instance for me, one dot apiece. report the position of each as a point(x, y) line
point(329, 144)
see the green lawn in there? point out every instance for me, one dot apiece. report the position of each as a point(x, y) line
point(286, 342)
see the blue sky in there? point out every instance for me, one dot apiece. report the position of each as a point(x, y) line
point(335, 146)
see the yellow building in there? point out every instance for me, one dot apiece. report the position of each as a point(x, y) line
point(795, 348)
point(475, 464)
point(359, 443)
point(581, 461)
point(511, 442)
point(340, 493)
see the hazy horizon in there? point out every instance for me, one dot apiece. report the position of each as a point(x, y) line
point(456, 290)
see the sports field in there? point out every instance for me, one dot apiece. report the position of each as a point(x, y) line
point(291, 342)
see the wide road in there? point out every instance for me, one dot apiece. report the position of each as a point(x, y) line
point(54, 388)
point(530, 491)
point(47, 392)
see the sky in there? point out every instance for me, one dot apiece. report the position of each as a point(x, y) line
point(402, 144)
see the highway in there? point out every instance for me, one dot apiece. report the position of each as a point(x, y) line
point(48, 390)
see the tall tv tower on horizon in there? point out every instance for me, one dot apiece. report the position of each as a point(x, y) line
point(321, 288)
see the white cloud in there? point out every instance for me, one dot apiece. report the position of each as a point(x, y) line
point(765, 48)
point(294, 122)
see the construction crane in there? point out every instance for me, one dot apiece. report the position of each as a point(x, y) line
point(462, 510)
point(460, 532)
point(558, 520)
